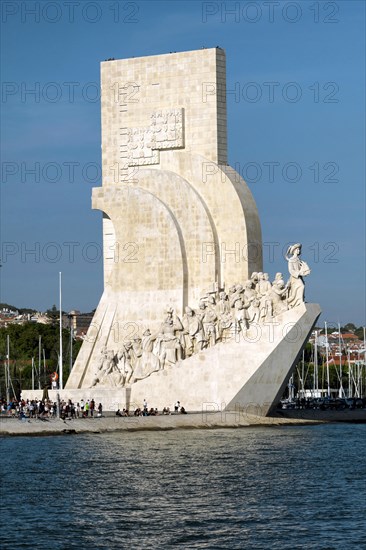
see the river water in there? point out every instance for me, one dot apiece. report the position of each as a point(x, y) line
point(252, 488)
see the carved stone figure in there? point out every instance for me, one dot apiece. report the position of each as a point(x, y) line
point(251, 300)
point(101, 367)
point(193, 334)
point(231, 292)
point(125, 362)
point(254, 278)
point(278, 297)
point(225, 319)
point(148, 341)
point(254, 311)
point(278, 277)
point(146, 362)
point(264, 288)
point(107, 373)
point(169, 347)
point(259, 279)
point(263, 285)
point(297, 269)
point(208, 318)
point(240, 306)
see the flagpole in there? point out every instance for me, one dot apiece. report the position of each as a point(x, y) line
point(60, 355)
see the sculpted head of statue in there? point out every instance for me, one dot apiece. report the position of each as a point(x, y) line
point(294, 250)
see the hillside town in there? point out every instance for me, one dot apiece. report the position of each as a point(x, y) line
point(79, 322)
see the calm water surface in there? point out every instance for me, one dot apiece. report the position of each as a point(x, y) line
point(252, 488)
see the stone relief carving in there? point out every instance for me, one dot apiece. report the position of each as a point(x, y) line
point(139, 147)
point(146, 361)
point(107, 372)
point(168, 341)
point(193, 335)
point(167, 129)
point(165, 132)
point(220, 317)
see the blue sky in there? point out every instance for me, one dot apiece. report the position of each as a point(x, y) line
point(296, 132)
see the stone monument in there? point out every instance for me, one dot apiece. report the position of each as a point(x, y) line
point(187, 312)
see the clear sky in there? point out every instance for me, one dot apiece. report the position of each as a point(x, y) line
point(296, 132)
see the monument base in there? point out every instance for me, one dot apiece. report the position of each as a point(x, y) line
point(248, 373)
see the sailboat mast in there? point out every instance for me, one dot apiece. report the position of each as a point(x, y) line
point(316, 379)
point(60, 356)
point(349, 373)
point(341, 390)
point(364, 352)
point(327, 357)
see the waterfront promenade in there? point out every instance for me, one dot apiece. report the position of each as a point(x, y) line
point(54, 426)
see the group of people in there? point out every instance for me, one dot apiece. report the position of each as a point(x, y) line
point(41, 409)
point(145, 411)
point(219, 317)
point(46, 408)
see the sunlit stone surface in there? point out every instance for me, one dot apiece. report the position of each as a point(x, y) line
point(187, 312)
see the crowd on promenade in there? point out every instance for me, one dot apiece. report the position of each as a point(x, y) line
point(42, 409)
point(46, 408)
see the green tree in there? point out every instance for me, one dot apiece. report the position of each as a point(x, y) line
point(24, 345)
point(53, 314)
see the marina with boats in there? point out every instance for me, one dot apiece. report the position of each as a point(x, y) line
point(331, 374)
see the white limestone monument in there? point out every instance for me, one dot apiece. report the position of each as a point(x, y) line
point(187, 311)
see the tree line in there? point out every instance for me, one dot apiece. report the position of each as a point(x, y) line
point(24, 345)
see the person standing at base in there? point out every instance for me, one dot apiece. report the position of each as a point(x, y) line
point(176, 406)
point(92, 407)
point(100, 410)
point(87, 407)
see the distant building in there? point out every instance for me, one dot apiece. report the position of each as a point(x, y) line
point(350, 350)
point(39, 318)
point(8, 316)
point(80, 323)
point(13, 317)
